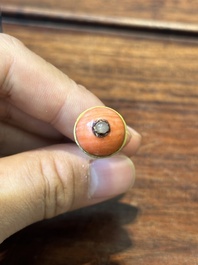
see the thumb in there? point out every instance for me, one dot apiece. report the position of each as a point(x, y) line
point(44, 183)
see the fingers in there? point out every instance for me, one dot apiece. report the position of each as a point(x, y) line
point(134, 143)
point(39, 89)
point(14, 116)
point(43, 183)
point(42, 94)
point(54, 180)
point(14, 140)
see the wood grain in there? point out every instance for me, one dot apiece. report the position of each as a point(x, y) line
point(152, 81)
point(166, 14)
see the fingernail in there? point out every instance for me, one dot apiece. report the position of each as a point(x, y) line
point(132, 132)
point(111, 176)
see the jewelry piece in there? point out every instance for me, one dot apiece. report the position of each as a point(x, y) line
point(100, 131)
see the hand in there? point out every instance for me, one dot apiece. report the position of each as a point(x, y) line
point(41, 174)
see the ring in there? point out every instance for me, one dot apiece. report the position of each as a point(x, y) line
point(100, 132)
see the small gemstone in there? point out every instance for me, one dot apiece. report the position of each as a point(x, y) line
point(101, 128)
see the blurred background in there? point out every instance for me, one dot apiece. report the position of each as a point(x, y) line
point(140, 58)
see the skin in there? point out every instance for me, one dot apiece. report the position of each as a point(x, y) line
point(42, 172)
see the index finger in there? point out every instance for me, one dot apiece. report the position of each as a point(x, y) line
point(39, 89)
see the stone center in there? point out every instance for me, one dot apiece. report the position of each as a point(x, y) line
point(101, 128)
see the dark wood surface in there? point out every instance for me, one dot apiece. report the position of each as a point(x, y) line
point(151, 79)
point(167, 10)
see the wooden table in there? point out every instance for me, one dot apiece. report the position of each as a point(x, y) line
point(141, 58)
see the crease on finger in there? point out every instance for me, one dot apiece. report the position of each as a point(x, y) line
point(17, 118)
point(14, 140)
point(6, 66)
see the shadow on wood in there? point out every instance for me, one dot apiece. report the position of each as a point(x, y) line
point(87, 236)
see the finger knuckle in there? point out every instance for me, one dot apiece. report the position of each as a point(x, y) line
point(5, 111)
point(3, 136)
point(8, 42)
point(9, 48)
point(58, 193)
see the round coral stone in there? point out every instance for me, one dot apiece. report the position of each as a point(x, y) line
point(100, 131)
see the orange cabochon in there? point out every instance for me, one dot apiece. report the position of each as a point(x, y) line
point(94, 145)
